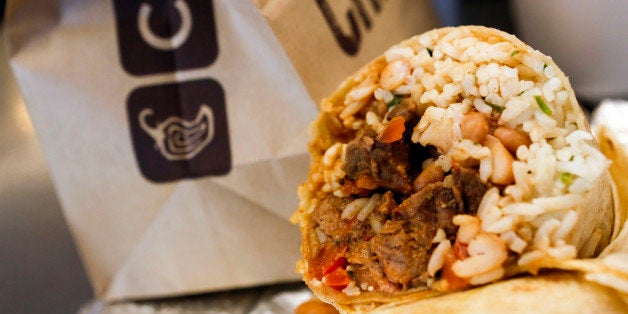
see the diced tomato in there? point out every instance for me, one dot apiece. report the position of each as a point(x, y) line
point(330, 266)
point(340, 262)
point(393, 130)
point(337, 279)
point(328, 259)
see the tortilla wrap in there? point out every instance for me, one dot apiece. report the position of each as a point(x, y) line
point(414, 193)
point(522, 295)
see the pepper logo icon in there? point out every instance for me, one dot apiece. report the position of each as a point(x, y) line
point(180, 130)
point(178, 139)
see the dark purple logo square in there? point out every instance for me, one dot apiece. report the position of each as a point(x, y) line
point(179, 130)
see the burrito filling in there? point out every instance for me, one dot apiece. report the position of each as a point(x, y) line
point(446, 163)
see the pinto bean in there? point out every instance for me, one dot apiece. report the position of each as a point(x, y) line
point(474, 126)
point(501, 165)
point(432, 173)
point(511, 138)
point(315, 306)
point(394, 74)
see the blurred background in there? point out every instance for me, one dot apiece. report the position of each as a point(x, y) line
point(587, 39)
point(40, 271)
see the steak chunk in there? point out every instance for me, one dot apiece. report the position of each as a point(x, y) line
point(386, 163)
point(431, 209)
point(468, 182)
point(327, 215)
point(403, 246)
point(358, 156)
point(400, 256)
point(366, 268)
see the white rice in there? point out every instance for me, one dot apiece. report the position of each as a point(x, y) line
point(514, 242)
point(523, 209)
point(368, 207)
point(563, 252)
point(469, 227)
point(397, 53)
point(486, 252)
point(376, 223)
point(556, 203)
point(567, 224)
point(322, 237)
point(383, 95)
point(438, 257)
point(352, 289)
point(543, 233)
point(353, 208)
point(331, 155)
point(530, 257)
point(489, 276)
point(440, 236)
point(503, 224)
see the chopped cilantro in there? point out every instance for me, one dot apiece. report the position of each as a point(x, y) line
point(395, 101)
point(572, 158)
point(498, 109)
point(545, 66)
point(567, 178)
point(351, 275)
point(512, 54)
point(521, 93)
point(430, 51)
point(544, 107)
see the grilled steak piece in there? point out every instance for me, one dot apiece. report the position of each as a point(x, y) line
point(386, 163)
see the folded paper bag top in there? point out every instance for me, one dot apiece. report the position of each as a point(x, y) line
point(174, 130)
point(458, 158)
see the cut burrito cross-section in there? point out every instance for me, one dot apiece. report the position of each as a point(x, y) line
point(458, 158)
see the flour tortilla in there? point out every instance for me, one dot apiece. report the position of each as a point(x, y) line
point(557, 292)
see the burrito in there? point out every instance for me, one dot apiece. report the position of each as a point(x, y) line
point(458, 158)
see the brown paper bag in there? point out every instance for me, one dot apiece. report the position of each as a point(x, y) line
point(176, 131)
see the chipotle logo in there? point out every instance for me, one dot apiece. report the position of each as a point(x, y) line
point(179, 129)
point(165, 36)
point(355, 14)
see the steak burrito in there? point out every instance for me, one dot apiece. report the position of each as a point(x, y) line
point(458, 158)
